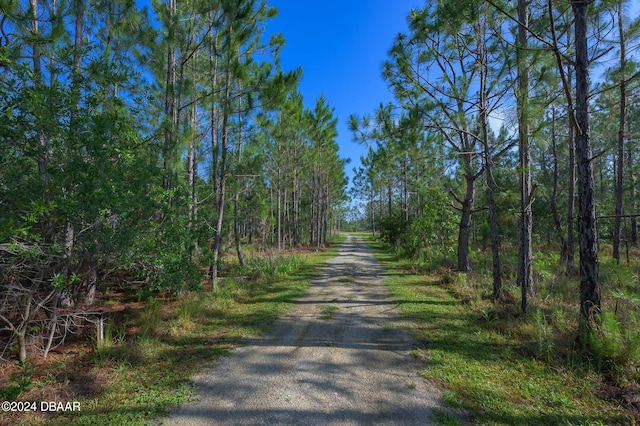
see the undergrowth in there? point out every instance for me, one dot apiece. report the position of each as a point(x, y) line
point(143, 365)
point(506, 367)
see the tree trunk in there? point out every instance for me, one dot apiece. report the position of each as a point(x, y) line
point(571, 202)
point(236, 199)
point(279, 212)
point(223, 169)
point(617, 224)
point(587, 230)
point(170, 109)
point(525, 252)
point(493, 214)
point(464, 232)
point(632, 197)
point(554, 194)
point(296, 198)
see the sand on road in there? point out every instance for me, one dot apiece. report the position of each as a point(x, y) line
point(339, 358)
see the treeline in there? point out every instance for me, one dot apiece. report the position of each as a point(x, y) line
point(145, 143)
point(511, 122)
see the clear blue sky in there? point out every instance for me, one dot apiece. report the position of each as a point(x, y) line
point(341, 45)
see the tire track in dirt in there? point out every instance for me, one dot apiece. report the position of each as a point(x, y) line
point(338, 358)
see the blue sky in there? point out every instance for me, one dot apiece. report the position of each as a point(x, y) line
point(341, 45)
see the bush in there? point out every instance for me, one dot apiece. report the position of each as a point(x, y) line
point(429, 235)
point(274, 265)
point(616, 347)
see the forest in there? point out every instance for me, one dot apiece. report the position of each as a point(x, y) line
point(511, 124)
point(510, 158)
point(148, 142)
point(163, 147)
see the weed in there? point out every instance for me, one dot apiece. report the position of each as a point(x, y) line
point(327, 311)
point(446, 419)
point(150, 317)
point(18, 383)
point(544, 331)
point(448, 279)
point(106, 340)
point(347, 280)
point(274, 266)
point(616, 347)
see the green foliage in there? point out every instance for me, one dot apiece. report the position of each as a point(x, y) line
point(544, 335)
point(616, 347)
point(274, 266)
point(429, 235)
point(151, 318)
point(18, 383)
point(110, 341)
point(392, 230)
point(499, 370)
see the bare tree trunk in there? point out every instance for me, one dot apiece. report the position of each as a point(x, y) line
point(632, 197)
point(464, 230)
point(389, 195)
point(571, 203)
point(192, 167)
point(213, 77)
point(617, 224)
point(554, 193)
point(170, 109)
point(296, 197)
point(220, 199)
point(587, 226)
point(493, 214)
point(405, 190)
point(279, 211)
point(525, 255)
point(236, 198)
point(54, 323)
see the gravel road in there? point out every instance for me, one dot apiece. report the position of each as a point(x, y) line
point(339, 358)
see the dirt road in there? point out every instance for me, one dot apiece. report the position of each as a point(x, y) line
point(337, 359)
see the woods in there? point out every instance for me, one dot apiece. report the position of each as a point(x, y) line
point(153, 153)
point(523, 114)
point(139, 144)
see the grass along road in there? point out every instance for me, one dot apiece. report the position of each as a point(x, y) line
point(492, 368)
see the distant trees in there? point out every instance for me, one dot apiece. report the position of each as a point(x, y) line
point(130, 137)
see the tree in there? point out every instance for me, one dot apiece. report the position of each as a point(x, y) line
point(525, 251)
point(590, 293)
point(437, 46)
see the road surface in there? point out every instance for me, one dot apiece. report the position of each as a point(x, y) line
point(339, 358)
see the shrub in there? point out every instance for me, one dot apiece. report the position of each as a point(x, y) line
point(616, 347)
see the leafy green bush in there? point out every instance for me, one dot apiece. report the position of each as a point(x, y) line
point(429, 235)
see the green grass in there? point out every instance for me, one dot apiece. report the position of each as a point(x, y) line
point(485, 366)
point(326, 311)
point(143, 376)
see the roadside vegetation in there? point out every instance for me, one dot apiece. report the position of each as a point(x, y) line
point(154, 343)
point(505, 367)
